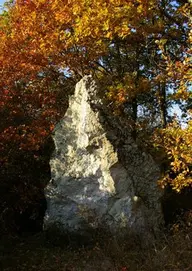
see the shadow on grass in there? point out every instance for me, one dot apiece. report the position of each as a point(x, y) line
point(35, 253)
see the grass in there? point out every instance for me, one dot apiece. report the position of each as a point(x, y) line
point(35, 253)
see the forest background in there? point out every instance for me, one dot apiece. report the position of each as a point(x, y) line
point(139, 52)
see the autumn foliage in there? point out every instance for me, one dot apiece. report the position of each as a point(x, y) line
point(139, 51)
point(176, 142)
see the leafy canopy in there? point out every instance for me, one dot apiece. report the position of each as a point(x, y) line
point(138, 50)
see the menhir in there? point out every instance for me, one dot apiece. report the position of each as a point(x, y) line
point(100, 178)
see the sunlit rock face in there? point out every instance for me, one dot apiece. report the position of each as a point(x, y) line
point(100, 179)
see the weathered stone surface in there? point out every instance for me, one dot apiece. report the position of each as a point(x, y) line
point(99, 176)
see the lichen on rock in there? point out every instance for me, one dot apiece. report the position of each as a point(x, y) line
point(100, 178)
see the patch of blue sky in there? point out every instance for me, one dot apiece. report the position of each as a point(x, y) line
point(1, 5)
point(2, 2)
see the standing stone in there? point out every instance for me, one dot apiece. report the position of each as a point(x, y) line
point(99, 177)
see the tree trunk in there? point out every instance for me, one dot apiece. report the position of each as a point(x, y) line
point(134, 117)
point(163, 104)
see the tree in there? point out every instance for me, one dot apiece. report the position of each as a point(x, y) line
point(138, 50)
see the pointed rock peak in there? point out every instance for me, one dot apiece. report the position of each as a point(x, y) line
point(100, 179)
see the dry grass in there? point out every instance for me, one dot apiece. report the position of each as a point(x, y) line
point(34, 253)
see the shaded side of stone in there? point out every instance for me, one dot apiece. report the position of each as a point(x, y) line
point(100, 179)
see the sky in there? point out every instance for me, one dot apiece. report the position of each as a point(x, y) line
point(1, 3)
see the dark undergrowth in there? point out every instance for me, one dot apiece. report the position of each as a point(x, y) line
point(35, 253)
